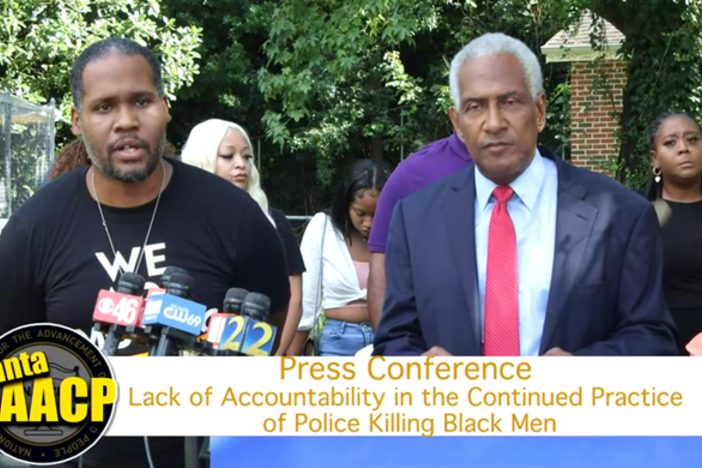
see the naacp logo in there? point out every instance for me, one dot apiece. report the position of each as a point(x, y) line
point(57, 394)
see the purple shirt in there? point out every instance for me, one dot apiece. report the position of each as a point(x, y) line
point(428, 165)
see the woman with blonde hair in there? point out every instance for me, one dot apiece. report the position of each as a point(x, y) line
point(224, 148)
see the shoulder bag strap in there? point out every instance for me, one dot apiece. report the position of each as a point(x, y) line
point(320, 295)
point(663, 211)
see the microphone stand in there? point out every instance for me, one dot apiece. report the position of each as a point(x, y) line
point(113, 335)
point(192, 452)
point(170, 341)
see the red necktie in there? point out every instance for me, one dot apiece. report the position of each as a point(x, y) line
point(501, 287)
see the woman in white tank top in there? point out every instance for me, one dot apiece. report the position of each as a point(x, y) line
point(336, 256)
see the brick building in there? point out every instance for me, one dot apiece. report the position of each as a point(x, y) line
point(597, 80)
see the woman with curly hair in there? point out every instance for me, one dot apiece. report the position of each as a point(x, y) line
point(72, 156)
point(675, 140)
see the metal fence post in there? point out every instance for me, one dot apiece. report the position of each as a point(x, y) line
point(8, 150)
point(52, 130)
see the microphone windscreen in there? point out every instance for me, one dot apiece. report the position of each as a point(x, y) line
point(168, 274)
point(131, 283)
point(257, 306)
point(234, 299)
point(181, 285)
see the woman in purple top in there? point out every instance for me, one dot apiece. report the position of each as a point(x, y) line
point(430, 164)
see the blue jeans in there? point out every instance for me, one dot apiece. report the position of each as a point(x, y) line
point(344, 338)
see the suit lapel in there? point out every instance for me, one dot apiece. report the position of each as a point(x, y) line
point(459, 216)
point(574, 221)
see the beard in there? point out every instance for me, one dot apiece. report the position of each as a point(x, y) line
point(129, 176)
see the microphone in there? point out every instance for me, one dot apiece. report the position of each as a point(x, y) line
point(231, 308)
point(116, 310)
point(165, 279)
point(234, 299)
point(168, 274)
point(181, 285)
point(257, 306)
point(179, 318)
point(248, 333)
point(215, 329)
point(147, 334)
point(260, 335)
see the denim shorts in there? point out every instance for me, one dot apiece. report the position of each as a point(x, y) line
point(344, 338)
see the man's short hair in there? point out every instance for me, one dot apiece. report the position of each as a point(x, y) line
point(492, 44)
point(102, 48)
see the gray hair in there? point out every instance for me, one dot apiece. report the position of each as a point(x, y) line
point(492, 44)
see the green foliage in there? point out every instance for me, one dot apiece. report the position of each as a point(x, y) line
point(334, 71)
point(377, 71)
point(227, 85)
point(558, 118)
point(664, 62)
point(40, 40)
point(320, 82)
point(663, 52)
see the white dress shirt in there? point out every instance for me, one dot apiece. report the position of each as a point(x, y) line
point(533, 211)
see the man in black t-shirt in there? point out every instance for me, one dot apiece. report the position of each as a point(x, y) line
point(131, 210)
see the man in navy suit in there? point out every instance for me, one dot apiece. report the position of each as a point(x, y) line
point(521, 254)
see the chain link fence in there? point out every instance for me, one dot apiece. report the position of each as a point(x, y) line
point(27, 133)
point(291, 185)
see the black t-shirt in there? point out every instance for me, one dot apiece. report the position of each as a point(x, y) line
point(296, 265)
point(55, 257)
point(682, 272)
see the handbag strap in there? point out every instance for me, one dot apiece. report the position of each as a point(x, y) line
point(663, 211)
point(319, 297)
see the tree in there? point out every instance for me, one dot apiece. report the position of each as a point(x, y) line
point(334, 71)
point(319, 82)
point(664, 63)
point(40, 40)
point(227, 85)
point(377, 70)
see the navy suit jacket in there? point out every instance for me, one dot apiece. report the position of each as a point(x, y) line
point(606, 295)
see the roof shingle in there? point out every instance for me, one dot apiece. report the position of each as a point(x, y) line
point(578, 36)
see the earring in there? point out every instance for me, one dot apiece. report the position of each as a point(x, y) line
point(657, 174)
